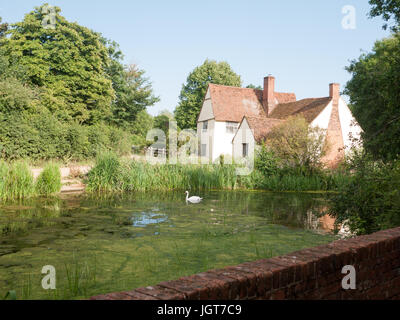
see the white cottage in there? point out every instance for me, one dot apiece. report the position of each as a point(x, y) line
point(233, 120)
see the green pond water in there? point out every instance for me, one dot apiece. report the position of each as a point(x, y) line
point(116, 243)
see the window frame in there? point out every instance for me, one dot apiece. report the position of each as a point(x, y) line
point(231, 127)
point(245, 150)
point(205, 126)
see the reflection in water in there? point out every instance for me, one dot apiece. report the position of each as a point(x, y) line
point(318, 222)
point(146, 218)
point(121, 242)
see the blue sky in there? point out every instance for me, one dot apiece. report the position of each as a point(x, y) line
point(301, 43)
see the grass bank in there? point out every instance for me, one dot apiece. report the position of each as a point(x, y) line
point(17, 182)
point(111, 174)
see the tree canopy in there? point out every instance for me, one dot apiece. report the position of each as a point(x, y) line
point(194, 90)
point(374, 92)
point(297, 143)
point(68, 61)
point(65, 92)
point(388, 10)
point(3, 28)
point(133, 92)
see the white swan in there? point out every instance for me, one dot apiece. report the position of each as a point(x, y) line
point(192, 199)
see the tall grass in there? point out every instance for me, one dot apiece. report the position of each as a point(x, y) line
point(17, 182)
point(290, 182)
point(111, 174)
point(49, 180)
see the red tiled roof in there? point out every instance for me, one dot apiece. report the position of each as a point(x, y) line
point(232, 103)
point(262, 126)
point(308, 108)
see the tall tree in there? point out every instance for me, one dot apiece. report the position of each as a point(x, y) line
point(388, 9)
point(195, 88)
point(67, 61)
point(3, 28)
point(374, 92)
point(133, 91)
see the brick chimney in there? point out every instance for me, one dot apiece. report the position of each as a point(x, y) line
point(268, 94)
point(334, 92)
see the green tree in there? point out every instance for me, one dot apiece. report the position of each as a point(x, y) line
point(252, 86)
point(370, 200)
point(194, 90)
point(67, 61)
point(16, 97)
point(297, 144)
point(162, 121)
point(388, 9)
point(3, 28)
point(133, 91)
point(143, 124)
point(374, 92)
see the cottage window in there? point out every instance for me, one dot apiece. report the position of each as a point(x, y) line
point(231, 127)
point(205, 126)
point(245, 149)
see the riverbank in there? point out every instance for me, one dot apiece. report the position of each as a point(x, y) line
point(113, 174)
point(71, 177)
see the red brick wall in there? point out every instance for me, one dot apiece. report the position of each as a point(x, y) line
point(334, 139)
point(313, 273)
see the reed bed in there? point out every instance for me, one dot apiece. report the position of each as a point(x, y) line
point(49, 180)
point(17, 182)
point(111, 174)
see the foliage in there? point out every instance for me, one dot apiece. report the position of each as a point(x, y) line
point(252, 86)
point(297, 144)
point(3, 28)
point(106, 174)
point(375, 97)
point(41, 136)
point(111, 174)
point(14, 96)
point(49, 180)
point(67, 61)
point(133, 92)
point(266, 161)
point(370, 201)
point(195, 88)
point(17, 181)
point(57, 90)
point(294, 181)
point(388, 9)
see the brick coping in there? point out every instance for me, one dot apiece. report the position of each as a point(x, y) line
point(313, 273)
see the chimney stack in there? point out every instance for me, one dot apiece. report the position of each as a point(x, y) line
point(334, 92)
point(268, 94)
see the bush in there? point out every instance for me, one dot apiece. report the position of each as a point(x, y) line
point(370, 201)
point(49, 181)
point(42, 137)
point(297, 144)
point(267, 162)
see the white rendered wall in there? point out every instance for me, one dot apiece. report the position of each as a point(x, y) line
point(244, 135)
point(222, 140)
point(206, 112)
point(322, 120)
point(349, 125)
point(206, 137)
